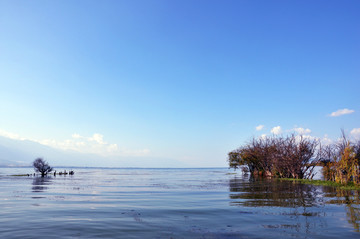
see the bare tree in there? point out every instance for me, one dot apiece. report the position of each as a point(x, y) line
point(284, 157)
point(41, 166)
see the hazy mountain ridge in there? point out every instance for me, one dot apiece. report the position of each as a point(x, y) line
point(23, 152)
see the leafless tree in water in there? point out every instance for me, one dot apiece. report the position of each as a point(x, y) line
point(41, 166)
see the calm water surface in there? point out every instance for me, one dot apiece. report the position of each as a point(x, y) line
point(171, 203)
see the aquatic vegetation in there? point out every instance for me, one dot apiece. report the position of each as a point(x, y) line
point(41, 166)
point(296, 157)
point(341, 161)
point(284, 157)
point(348, 186)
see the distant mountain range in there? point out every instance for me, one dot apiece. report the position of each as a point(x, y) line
point(24, 152)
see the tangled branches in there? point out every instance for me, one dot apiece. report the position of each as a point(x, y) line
point(285, 157)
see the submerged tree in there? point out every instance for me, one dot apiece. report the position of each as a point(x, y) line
point(285, 157)
point(41, 166)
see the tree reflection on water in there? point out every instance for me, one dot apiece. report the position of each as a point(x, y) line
point(273, 193)
point(310, 199)
point(349, 198)
point(40, 184)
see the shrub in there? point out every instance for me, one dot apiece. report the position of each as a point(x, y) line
point(41, 166)
point(341, 161)
point(286, 157)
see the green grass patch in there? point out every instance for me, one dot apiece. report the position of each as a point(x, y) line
point(349, 186)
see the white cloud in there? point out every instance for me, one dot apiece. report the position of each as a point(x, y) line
point(306, 137)
point(276, 130)
point(326, 140)
point(341, 112)
point(259, 127)
point(355, 133)
point(76, 136)
point(263, 136)
point(10, 135)
point(112, 148)
point(302, 131)
point(92, 145)
point(97, 138)
point(300, 137)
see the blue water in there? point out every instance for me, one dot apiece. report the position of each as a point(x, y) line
point(171, 203)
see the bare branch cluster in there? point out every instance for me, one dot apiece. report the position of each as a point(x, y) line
point(41, 166)
point(286, 157)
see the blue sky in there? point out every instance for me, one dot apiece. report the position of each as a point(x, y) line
point(181, 80)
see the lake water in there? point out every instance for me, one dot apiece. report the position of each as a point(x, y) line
point(171, 203)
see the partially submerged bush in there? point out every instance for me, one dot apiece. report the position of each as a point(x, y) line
point(341, 160)
point(41, 166)
point(285, 157)
point(296, 157)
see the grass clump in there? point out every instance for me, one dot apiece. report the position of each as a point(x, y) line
point(349, 186)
